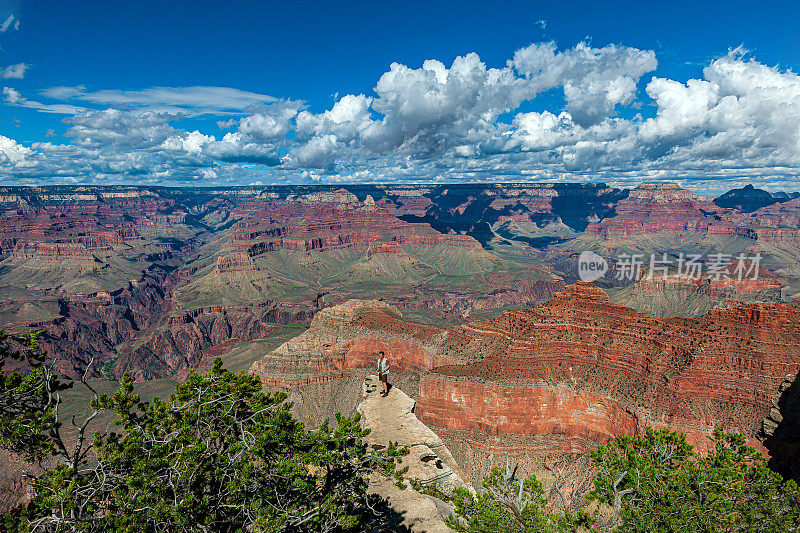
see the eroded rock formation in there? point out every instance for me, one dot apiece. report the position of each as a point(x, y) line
point(656, 207)
point(392, 419)
point(695, 375)
point(449, 251)
point(190, 337)
point(562, 376)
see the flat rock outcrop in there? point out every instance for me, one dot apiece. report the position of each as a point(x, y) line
point(348, 336)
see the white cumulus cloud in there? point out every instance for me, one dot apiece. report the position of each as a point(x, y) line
point(11, 152)
point(465, 121)
point(16, 71)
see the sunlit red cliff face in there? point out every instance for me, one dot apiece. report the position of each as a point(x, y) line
point(658, 209)
point(565, 375)
point(655, 207)
point(614, 370)
point(346, 337)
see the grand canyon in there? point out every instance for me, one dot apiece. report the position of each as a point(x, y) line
point(474, 290)
point(350, 267)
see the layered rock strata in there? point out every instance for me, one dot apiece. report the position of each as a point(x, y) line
point(340, 338)
point(192, 336)
point(656, 207)
point(690, 374)
point(578, 367)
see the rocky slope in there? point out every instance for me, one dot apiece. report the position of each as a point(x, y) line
point(675, 297)
point(662, 215)
point(629, 369)
point(556, 378)
point(661, 221)
point(152, 283)
point(90, 328)
point(190, 338)
point(392, 419)
point(327, 247)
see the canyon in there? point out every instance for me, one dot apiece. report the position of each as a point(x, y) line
point(148, 280)
point(561, 377)
point(473, 288)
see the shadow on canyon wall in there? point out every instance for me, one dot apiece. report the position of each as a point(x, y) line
point(781, 430)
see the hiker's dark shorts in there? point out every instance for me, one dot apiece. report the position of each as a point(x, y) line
point(384, 377)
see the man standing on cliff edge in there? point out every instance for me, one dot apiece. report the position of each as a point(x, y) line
point(383, 373)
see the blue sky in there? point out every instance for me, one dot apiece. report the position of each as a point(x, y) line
point(146, 92)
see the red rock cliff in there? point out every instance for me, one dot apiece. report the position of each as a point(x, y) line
point(578, 365)
point(692, 374)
